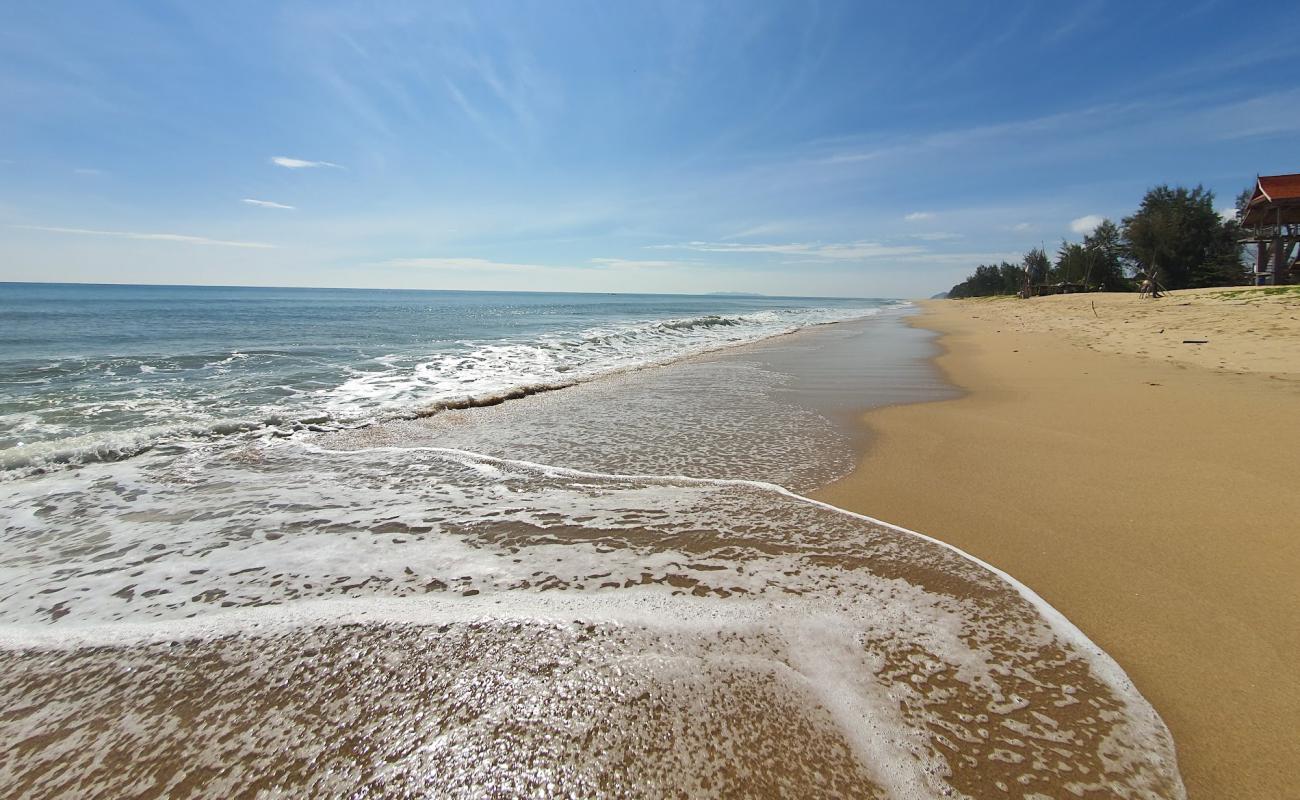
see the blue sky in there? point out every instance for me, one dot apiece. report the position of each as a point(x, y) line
point(856, 148)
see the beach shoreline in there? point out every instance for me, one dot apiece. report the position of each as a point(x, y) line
point(1089, 457)
point(622, 536)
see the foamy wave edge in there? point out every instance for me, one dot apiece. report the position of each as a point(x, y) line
point(364, 609)
point(43, 457)
point(688, 612)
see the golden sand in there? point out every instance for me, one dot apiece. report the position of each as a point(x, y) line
point(1147, 487)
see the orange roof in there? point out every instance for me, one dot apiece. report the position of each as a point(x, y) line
point(1278, 187)
point(1276, 200)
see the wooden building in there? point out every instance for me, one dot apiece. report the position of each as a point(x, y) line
point(1271, 222)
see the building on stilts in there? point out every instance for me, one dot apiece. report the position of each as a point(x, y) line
point(1271, 222)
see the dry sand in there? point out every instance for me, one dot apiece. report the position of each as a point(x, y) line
point(1147, 488)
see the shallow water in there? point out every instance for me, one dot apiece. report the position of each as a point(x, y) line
point(784, 410)
point(429, 620)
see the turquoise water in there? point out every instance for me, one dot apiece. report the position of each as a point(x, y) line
point(95, 372)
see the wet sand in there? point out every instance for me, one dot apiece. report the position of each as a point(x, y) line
point(1144, 487)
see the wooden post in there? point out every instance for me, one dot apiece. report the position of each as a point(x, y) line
point(1279, 260)
point(1261, 261)
point(1281, 249)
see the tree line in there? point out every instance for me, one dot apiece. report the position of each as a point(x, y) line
point(1175, 234)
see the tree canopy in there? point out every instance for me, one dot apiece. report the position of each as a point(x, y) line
point(1037, 265)
point(990, 279)
point(1177, 233)
point(1108, 260)
point(1175, 230)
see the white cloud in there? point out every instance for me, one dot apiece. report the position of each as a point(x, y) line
point(853, 158)
point(919, 216)
point(937, 236)
point(1086, 225)
point(628, 263)
point(265, 204)
point(1020, 227)
point(298, 163)
point(151, 237)
point(765, 229)
point(943, 259)
point(460, 264)
point(1227, 214)
point(832, 250)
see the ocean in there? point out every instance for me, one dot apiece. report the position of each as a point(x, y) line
point(92, 372)
point(297, 542)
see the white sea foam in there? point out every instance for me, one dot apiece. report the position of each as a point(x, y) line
point(483, 371)
point(896, 636)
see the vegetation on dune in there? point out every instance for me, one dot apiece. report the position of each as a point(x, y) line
point(1175, 233)
point(1285, 292)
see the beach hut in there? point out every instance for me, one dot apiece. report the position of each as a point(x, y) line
point(1271, 222)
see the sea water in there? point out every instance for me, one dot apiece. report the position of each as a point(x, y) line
point(330, 543)
point(100, 372)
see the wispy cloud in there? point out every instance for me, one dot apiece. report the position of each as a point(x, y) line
point(919, 216)
point(937, 236)
point(150, 237)
point(266, 204)
point(480, 120)
point(469, 264)
point(823, 250)
point(1020, 227)
point(1206, 116)
point(460, 264)
point(630, 263)
point(1253, 117)
point(1082, 120)
point(298, 163)
point(961, 259)
point(1084, 16)
point(1087, 224)
point(765, 229)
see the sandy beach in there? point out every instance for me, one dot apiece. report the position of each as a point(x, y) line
point(1134, 462)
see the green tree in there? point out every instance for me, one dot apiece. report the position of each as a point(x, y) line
point(1243, 199)
point(1223, 265)
point(988, 280)
point(1072, 263)
point(1013, 278)
point(1106, 258)
point(1177, 232)
point(1037, 265)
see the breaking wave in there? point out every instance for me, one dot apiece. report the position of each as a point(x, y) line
point(98, 410)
